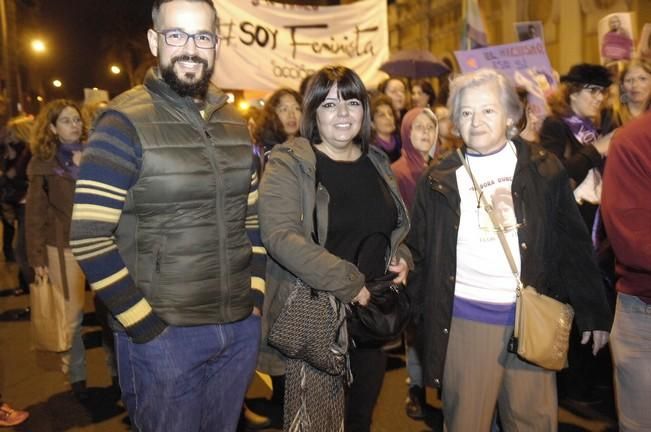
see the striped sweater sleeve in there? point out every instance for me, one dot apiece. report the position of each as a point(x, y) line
point(109, 168)
point(259, 255)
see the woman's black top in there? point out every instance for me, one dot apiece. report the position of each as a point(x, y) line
point(361, 212)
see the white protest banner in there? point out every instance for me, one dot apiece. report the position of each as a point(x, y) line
point(266, 45)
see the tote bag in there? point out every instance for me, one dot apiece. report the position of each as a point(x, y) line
point(50, 331)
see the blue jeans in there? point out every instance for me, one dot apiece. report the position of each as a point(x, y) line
point(188, 378)
point(630, 342)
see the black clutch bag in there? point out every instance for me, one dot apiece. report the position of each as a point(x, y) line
point(389, 310)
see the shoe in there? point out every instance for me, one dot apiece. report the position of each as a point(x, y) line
point(415, 403)
point(11, 417)
point(253, 421)
point(80, 391)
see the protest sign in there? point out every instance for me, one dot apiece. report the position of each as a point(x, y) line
point(526, 63)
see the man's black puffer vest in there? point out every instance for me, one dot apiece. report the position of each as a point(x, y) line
point(182, 231)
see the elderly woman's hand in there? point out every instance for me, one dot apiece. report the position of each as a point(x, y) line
point(401, 268)
point(599, 339)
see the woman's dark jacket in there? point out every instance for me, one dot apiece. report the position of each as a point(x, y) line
point(48, 209)
point(555, 248)
point(577, 158)
point(289, 198)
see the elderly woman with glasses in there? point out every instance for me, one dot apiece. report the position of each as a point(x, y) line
point(462, 284)
point(322, 198)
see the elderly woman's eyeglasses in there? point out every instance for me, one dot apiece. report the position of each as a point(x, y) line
point(595, 90)
point(178, 38)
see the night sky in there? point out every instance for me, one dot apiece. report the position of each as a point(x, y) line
point(79, 34)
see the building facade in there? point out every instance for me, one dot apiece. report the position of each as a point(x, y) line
point(570, 26)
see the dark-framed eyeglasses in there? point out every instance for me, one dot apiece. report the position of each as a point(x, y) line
point(178, 38)
point(596, 89)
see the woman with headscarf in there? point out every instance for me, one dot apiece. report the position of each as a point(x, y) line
point(419, 132)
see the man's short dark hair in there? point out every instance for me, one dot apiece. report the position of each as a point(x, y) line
point(155, 10)
point(349, 86)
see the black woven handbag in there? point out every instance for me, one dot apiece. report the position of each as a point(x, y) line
point(312, 327)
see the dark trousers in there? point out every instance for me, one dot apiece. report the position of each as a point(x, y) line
point(8, 239)
point(26, 272)
point(586, 373)
point(368, 366)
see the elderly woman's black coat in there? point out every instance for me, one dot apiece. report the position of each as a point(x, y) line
point(555, 248)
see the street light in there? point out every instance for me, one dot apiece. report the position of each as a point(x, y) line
point(57, 83)
point(38, 46)
point(115, 69)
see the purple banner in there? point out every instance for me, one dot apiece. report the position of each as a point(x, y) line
point(526, 63)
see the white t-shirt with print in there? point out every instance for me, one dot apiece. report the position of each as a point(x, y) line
point(483, 272)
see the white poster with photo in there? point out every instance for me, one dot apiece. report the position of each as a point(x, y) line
point(616, 37)
point(526, 30)
point(266, 44)
point(644, 46)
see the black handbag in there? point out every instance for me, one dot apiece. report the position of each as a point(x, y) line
point(311, 327)
point(388, 312)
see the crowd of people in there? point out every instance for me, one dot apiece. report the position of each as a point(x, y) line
point(196, 228)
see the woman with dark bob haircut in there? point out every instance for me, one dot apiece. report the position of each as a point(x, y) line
point(330, 215)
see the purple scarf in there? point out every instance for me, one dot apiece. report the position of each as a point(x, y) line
point(387, 146)
point(582, 128)
point(64, 157)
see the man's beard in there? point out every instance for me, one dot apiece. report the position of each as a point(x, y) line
point(196, 89)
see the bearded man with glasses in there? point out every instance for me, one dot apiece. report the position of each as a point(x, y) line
point(159, 229)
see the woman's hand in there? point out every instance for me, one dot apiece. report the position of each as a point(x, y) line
point(401, 268)
point(603, 144)
point(599, 339)
point(41, 271)
point(362, 298)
